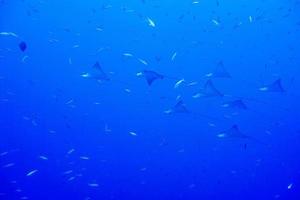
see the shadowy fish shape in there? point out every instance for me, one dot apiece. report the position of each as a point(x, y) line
point(96, 73)
point(22, 46)
point(179, 107)
point(235, 104)
point(219, 72)
point(209, 90)
point(152, 76)
point(275, 86)
point(234, 132)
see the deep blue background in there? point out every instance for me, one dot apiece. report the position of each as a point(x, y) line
point(177, 156)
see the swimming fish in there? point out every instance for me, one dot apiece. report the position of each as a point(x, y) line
point(9, 34)
point(151, 22)
point(133, 133)
point(215, 22)
point(174, 56)
point(178, 83)
point(127, 55)
point(32, 172)
point(43, 157)
point(142, 61)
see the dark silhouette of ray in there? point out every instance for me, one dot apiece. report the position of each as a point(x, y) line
point(209, 90)
point(22, 46)
point(179, 107)
point(152, 76)
point(235, 104)
point(259, 101)
point(275, 86)
point(220, 71)
point(234, 132)
point(98, 73)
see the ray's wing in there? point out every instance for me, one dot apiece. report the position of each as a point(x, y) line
point(180, 107)
point(209, 90)
point(275, 86)
point(234, 132)
point(236, 104)
point(220, 71)
point(151, 76)
point(98, 72)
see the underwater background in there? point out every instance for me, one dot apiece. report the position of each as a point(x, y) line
point(149, 99)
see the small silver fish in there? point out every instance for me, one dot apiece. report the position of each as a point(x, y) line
point(32, 172)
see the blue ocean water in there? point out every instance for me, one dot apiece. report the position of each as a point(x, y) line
point(149, 99)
